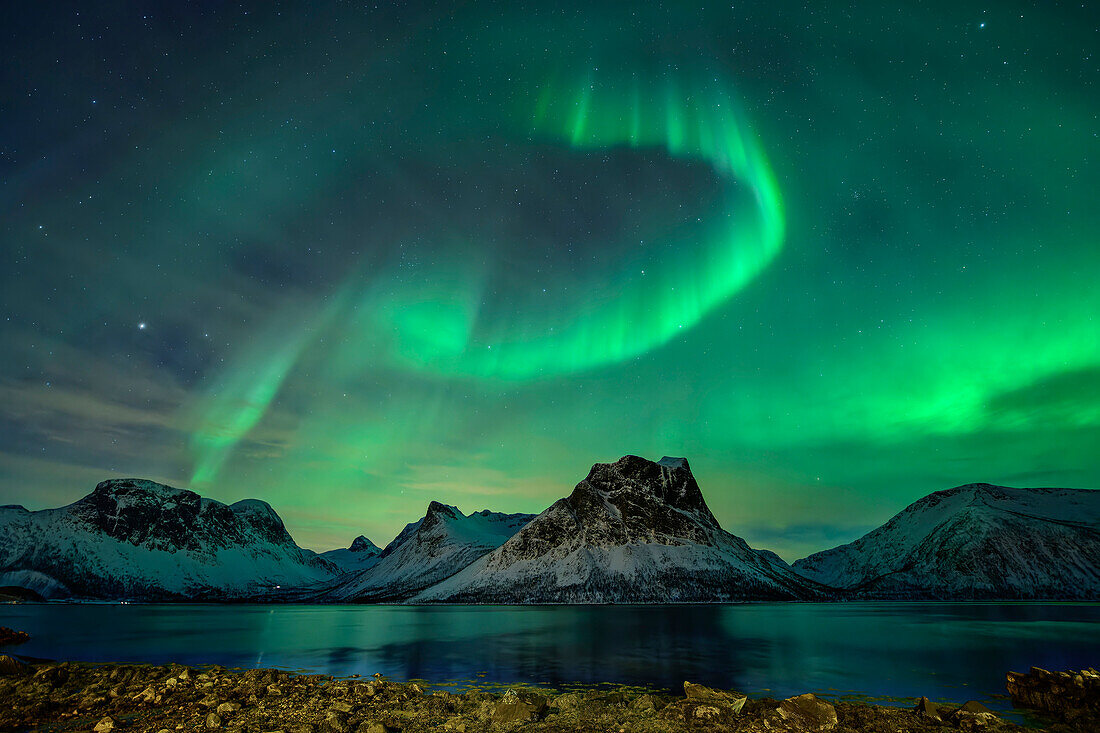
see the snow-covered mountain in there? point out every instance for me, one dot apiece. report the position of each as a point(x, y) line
point(361, 555)
point(974, 541)
point(430, 549)
point(632, 531)
point(132, 538)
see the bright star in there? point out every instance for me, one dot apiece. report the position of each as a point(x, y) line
point(141, 326)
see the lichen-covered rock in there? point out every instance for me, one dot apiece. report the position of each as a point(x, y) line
point(12, 666)
point(808, 713)
point(519, 707)
point(1069, 696)
point(928, 709)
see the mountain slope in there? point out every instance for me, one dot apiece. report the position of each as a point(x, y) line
point(632, 531)
point(974, 541)
point(132, 538)
point(426, 551)
point(361, 555)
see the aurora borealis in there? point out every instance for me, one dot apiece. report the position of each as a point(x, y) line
point(351, 259)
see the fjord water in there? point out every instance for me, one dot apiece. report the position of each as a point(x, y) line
point(953, 651)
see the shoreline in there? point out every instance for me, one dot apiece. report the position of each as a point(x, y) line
point(76, 696)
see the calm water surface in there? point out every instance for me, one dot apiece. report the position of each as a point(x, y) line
point(953, 651)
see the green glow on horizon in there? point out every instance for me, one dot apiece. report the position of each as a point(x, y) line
point(409, 267)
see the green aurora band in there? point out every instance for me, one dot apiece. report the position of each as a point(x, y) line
point(438, 328)
point(387, 255)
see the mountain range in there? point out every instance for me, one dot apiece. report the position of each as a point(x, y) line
point(633, 531)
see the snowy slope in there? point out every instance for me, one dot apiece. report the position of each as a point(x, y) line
point(361, 555)
point(434, 547)
point(132, 538)
point(974, 541)
point(632, 531)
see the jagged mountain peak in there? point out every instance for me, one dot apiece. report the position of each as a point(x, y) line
point(442, 511)
point(633, 530)
point(638, 490)
point(362, 544)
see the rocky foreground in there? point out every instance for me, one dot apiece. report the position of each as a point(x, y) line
point(105, 698)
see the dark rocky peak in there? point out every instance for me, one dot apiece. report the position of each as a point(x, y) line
point(444, 511)
point(635, 486)
point(362, 544)
point(439, 513)
point(139, 511)
point(262, 518)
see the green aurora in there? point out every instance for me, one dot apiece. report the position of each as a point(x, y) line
point(838, 259)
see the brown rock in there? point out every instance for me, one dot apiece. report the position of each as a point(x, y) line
point(106, 725)
point(702, 693)
point(519, 707)
point(11, 636)
point(213, 721)
point(12, 666)
point(808, 712)
point(928, 709)
point(228, 708)
point(706, 712)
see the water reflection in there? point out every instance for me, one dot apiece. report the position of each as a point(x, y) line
point(946, 650)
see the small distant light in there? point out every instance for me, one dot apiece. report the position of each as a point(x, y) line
point(141, 326)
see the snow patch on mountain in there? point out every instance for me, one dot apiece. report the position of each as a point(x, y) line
point(133, 538)
point(361, 555)
point(632, 531)
point(434, 547)
point(974, 541)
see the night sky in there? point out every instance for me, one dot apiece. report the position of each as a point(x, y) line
point(351, 258)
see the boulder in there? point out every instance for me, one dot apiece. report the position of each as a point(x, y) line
point(701, 693)
point(808, 713)
point(11, 636)
point(928, 709)
point(12, 666)
point(105, 725)
point(1071, 696)
point(519, 706)
point(227, 708)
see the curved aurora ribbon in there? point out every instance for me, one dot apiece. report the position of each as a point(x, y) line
point(443, 332)
point(438, 328)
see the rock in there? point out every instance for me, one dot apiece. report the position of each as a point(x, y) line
point(1068, 696)
point(213, 721)
point(644, 704)
point(12, 666)
point(701, 693)
point(274, 690)
point(335, 722)
point(12, 637)
point(375, 727)
point(973, 716)
point(519, 707)
point(567, 703)
point(457, 724)
point(228, 708)
point(808, 713)
point(105, 725)
point(340, 707)
point(706, 712)
point(928, 709)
